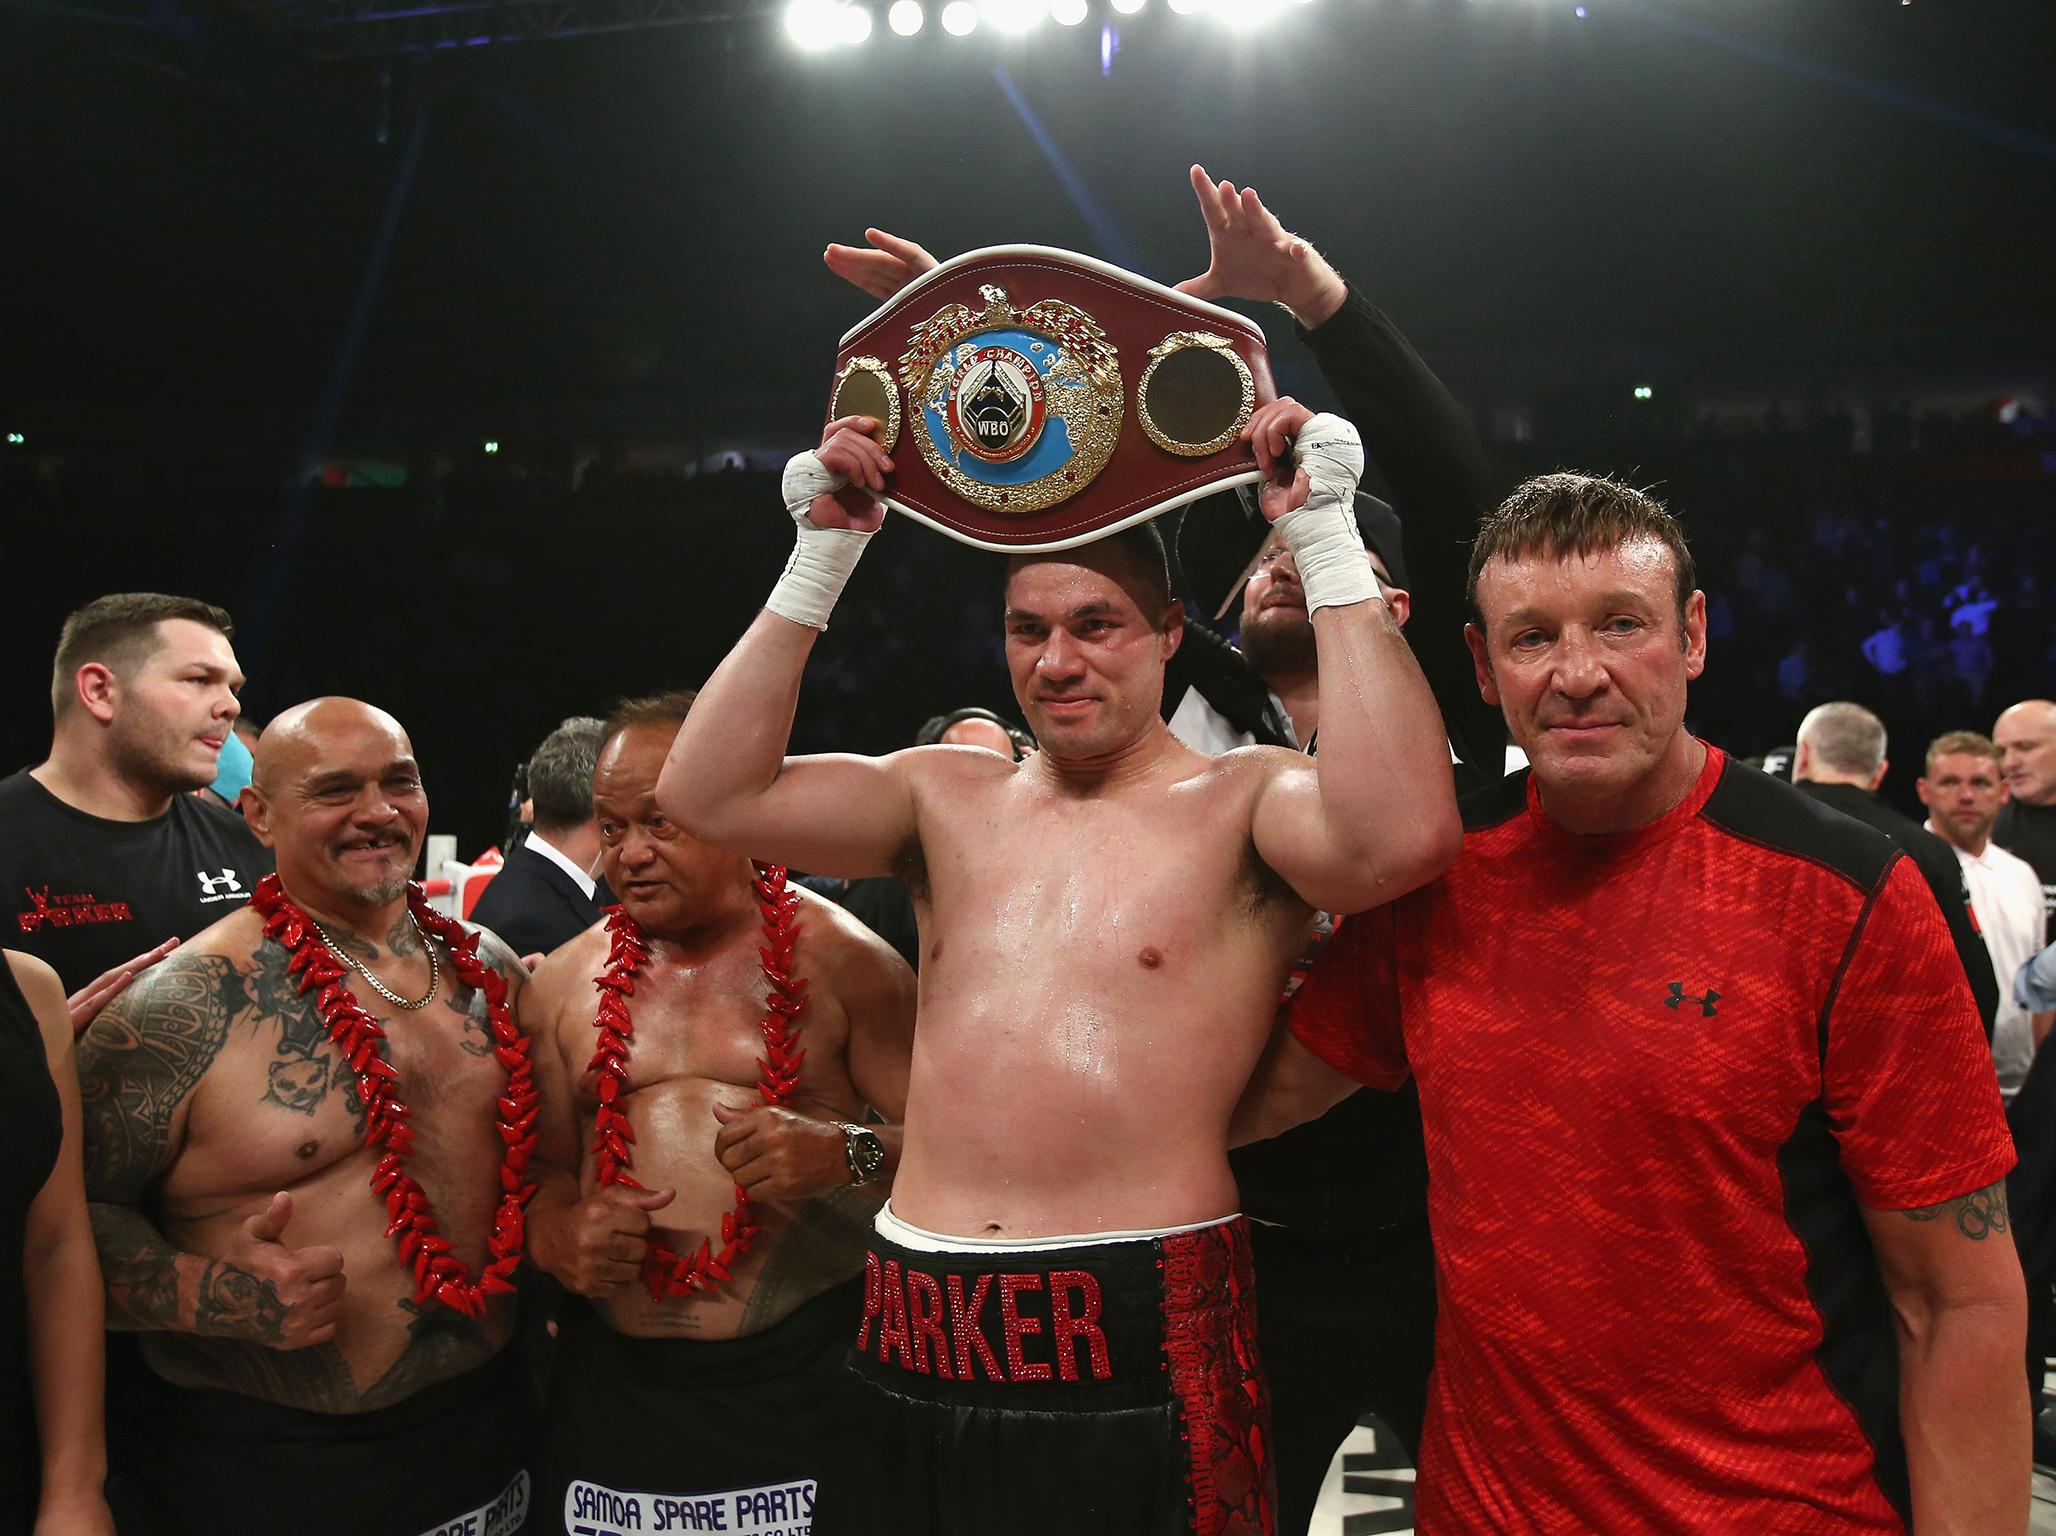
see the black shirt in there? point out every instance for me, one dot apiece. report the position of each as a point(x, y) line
point(31, 1131)
point(2030, 832)
point(535, 905)
point(84, 894)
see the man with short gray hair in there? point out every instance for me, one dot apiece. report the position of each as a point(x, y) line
point(1841, 762)
point(2025, 735)
point(548, 894)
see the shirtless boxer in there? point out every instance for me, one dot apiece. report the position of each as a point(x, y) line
point(305, 1377)
point(728, 1399)
point(1058, 1314)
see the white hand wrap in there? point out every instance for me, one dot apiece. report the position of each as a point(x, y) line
point(1334, 567)
point(822, 558)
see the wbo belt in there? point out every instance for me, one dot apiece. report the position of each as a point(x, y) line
point(1052, 399)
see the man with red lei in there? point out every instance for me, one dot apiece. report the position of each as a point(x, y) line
point(724, 1060)
point(1058, 1330)
point(307, 1140)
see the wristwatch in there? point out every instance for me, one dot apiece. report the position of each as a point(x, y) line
point(863, 1151)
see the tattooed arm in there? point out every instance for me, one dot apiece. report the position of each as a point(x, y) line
point(1961, 1315)
point(139, 1065)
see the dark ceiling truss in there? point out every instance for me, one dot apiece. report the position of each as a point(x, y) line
point(369, 29)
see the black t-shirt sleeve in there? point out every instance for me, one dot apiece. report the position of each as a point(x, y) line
point(1441, 483)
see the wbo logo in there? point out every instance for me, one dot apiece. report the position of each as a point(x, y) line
point(1015, 409)
point(218, 887)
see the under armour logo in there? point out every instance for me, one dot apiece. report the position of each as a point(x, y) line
point(1678, 996)
point(225, 883)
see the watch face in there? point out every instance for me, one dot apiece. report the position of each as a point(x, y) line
point(867, 1152)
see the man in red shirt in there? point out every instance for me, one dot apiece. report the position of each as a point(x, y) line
point(1715, 1152)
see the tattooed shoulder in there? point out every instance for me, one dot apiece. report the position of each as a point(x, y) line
point(499, 954)
point(141, 1060)
point(1977, 1215)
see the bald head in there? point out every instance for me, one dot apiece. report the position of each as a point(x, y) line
point(336, 793)
point(2026, 737)
point(304, 732)
point(1840, 743)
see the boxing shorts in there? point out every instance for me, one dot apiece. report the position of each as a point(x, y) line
point(452, 1460)
point(1098, 1386)
point(731, 1435)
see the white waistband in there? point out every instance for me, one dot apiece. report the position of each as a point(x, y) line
point(893, 1230)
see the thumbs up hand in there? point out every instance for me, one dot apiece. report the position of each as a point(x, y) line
point(266, 1292)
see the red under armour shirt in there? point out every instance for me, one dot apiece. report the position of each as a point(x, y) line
point(1659, 1071)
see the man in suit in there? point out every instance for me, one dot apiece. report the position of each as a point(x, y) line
point(1840, 762)
point(547, 895)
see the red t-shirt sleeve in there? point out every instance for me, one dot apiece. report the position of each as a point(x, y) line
point(1347, 1013)
point(1910, 1089)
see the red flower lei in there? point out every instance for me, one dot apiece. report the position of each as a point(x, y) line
point(665, 1272)
point(438, 1275)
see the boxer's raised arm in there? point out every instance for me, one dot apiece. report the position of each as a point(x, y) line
point(727, 780)
point(1374, 814)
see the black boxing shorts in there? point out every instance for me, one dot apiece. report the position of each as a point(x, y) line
point(731, 1435)
point(452, 1460)
point(1096, 1388)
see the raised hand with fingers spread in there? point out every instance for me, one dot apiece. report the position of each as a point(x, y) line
point(1250, 255)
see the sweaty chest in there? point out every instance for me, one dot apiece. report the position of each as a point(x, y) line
point(705, 1023)
point(1143, 891)
point(1628, 1012)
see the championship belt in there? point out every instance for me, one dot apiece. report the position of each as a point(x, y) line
point(1053, 399)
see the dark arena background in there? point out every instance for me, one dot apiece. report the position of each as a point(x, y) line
point(455, 346)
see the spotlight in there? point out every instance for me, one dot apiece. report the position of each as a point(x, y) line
point(15, 440)
point(1581, 13)
point(1129, 7)
point(1245, 13)
point(492, 445)
point(1067, 13)
point(906, 17)
point(1014, 15)
point(960, 18)
point(1188, 7)
point(813, 24)
point(852, 24)
point(1644, 392)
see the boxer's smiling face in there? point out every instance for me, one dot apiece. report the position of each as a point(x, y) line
point(1086, 660)
point(668, 882)
point(340, 800)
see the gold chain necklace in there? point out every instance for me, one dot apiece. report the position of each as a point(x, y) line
point(435, 969)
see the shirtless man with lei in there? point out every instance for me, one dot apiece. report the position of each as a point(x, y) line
point(708, 1055)
point(307, 1133)
point(1058, 1327)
